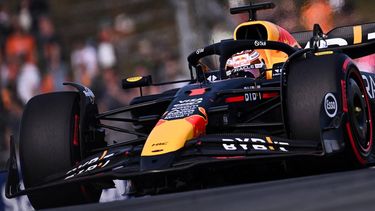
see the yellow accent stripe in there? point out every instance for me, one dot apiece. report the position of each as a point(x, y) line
point(269, 74)
point(104, 154)
point(323, 53)
point(357, 31)
point(269, 140)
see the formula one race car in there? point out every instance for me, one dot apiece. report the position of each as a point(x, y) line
point(269, 99)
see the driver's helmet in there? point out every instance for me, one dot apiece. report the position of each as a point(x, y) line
point(246, 63)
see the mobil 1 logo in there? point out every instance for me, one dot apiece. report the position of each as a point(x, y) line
point(330, 105)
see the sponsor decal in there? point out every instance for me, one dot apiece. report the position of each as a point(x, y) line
point(370, 85)
point(276, 72)
point(244, 68)
point(183, 108)
point(249, 97)
point(255, 144)
point(371, 36)
point(94, 163)
point(201, 50)
point(134, 79)
point(211, 78)
point(159, 144)
point(252, 96)
point(330, 105)
point(260, 43)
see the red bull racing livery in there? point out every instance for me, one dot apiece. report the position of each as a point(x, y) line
point(275, 96)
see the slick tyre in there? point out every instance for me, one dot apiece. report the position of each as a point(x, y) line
point(359, 128)
point(49, 127)
point(308, 83)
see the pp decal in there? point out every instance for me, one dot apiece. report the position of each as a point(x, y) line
point(330, 105)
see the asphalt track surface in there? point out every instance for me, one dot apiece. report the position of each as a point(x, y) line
point(348, 190)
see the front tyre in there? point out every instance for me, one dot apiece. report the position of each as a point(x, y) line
point(49, 144)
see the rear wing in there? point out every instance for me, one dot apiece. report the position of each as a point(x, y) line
point(355, 40)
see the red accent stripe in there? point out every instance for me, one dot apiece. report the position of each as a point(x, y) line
point(161, 121)
point(235, 99)
point(354, 146)
point(368, 108)
point(268, 95)
point(194, 92)
point(344, 97)
point(345, 65)
point(370, 120)
point(76, 130)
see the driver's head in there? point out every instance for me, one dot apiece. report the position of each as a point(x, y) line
point(246, 63)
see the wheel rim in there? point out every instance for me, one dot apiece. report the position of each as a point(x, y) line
point(357, 112)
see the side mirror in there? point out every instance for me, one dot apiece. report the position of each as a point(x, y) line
point(137, 81)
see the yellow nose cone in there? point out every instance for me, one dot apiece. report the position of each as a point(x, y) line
point(168, 136)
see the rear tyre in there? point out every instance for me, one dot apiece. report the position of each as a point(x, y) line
point(309, 81)
point(48, 145)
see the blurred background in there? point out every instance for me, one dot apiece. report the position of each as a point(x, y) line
point(97, 43)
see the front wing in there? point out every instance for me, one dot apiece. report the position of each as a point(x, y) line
point(125, 161)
